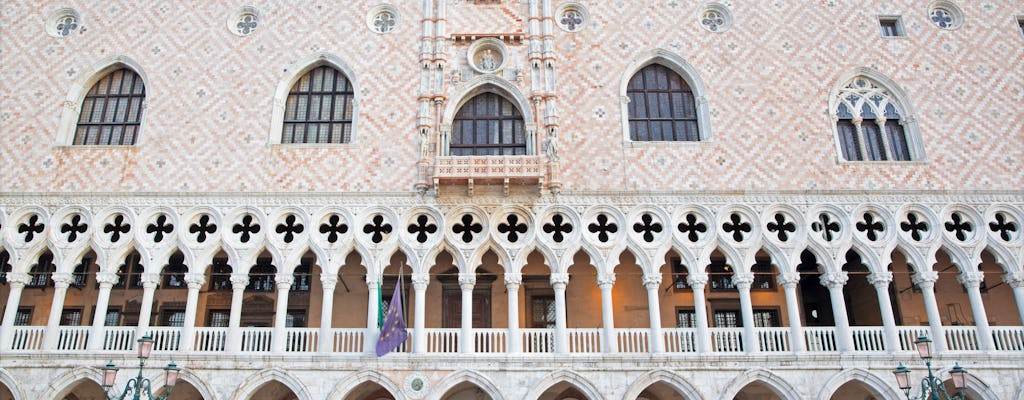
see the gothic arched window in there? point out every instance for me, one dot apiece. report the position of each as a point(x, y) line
point(662, 106)
point(870, 124)
point(319, 108)
point(488, 125)
point(112, 110)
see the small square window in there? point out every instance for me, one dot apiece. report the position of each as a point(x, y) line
point(891, 27)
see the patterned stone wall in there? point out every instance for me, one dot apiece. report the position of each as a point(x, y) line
point(211, 94)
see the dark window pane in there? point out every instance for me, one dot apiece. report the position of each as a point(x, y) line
point(319, 101)
point(113, 106)
point(873, 141)
point(897, 141)
point(848, 140)
point(658, 93)
point(488, 124)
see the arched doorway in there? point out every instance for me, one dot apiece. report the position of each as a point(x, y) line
point(757, 391)
point(466, 391)
point(855, 390)
point(370, 391)
point(273, 390)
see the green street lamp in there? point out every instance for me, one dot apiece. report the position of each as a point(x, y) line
point(931, 386)
point(139, 387)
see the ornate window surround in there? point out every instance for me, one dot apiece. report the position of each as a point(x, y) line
point(72, 106)
point(908, 117)
point(488, 84)
point(692, 78)
point(292, 74)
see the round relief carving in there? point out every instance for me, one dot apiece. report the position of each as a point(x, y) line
point(417, 385)
point(487, 55)
point(716, 18)
point(244, 21)
point(572, 17)
point(63, 22)
point(945, 15)
point(382, 19)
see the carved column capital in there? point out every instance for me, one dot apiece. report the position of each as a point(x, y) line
point(788, 280)
point(880, 280)
point(652, 281)
point(466, 282)
point(513, 280)
point(606, 280)
point(284, 281)
point(925, 279)
point(743, 280)
point(18, 278)
point(697, 281)
point(420, 281)
point(971, 279)
point(328, 282)
point(834, 280)
point(62, 280)
point(106, 279)
point(559, 280)
point(195, 281)
point(239, 281)
point(150, 280)
point(1015, 280)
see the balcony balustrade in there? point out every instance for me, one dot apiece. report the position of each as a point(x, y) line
point(582, 341)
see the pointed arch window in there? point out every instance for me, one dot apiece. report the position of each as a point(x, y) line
point(662, 106)
point(112, 110)
point(319, 108)
point(488, 125)
point(871, 125)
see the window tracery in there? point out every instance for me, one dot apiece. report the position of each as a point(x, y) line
point(870, 124)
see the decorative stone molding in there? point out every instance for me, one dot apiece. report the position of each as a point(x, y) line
point(244, 21)
point(383, 19)
point(63, 22)
point(487, 55)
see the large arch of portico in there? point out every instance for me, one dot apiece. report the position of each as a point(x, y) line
point(775, 383)
point(876, 385)
point(673, 380)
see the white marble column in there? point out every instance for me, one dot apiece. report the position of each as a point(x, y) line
point(466, 339)
point(97, 334)
point(419, 338)
point(653, 283)
point(372, 316)
point(881, 283)
point(743, 281)
point(195, 282)
point(700, 311)
point(149, 283)
point(1016, 282)
point(61, 281)
point(238, 284)
point(926, 281)
point(16, 281)
point(326, 338)
point(605, 283)
point(558, 283)
point(515, 339)
point(835, 281)
point(789, 282)
point(972, 282)
point(284, 285)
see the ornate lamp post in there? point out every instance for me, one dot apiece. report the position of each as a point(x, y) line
point(932, 387)
point(138, 386)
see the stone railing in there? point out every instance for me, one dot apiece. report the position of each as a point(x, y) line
point(490, 169)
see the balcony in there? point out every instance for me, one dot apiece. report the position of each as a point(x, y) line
point(680, 342)
point(504, 170)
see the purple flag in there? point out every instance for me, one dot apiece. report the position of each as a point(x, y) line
point(392, 333)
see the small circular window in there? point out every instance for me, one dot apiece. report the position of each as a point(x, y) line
point(716, 18)
point(63, 22)
point(572, 17)
point(245, 21)
point(945, 15)
point(382, 19)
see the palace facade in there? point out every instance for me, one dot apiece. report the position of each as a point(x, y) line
point(658, 200)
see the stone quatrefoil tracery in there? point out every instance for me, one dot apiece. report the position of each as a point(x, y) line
point(159, 228)
point(377, 228)
point(959, 226)
point(467, 227)
point(603, 228)
point(692, 228)
point(247, 228)
point(333, 228)
point(737, 227)
point(74, 228)
point(1003, 226)
point(870, 226)
point(648, 227)
point(202, 228)
point(117, 228)
point(915, 227)
point(290, 228)
point(512, 228)
point(422, 228)
point(558, 228)
point(31, 228)
point(825, 225)
point(781, 227)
